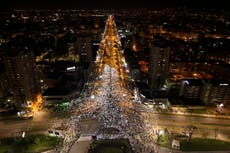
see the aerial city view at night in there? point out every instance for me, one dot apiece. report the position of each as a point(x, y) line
point(114, 76)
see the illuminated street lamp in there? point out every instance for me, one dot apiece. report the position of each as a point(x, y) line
point(92, 96)
point(221, 105)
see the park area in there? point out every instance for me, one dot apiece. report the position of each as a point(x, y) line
point(200, 144)
point(196, 144)
point(29, 144)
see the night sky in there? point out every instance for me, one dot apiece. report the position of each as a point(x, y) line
point(112, 4)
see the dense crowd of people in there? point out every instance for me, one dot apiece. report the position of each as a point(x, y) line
point(107, 99)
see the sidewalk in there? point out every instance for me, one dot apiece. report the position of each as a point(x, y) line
point(81, 145)
point(194, 114)
point(49, 151)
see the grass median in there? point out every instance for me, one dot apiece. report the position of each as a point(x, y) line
point(199, 144)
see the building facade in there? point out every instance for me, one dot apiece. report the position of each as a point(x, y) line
point(216, 91)
point(22, 78)
point(158, 65)
point(84, 48)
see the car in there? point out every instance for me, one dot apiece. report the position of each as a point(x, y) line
point(24, 115)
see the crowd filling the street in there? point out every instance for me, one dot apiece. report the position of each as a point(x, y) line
point(108, 98)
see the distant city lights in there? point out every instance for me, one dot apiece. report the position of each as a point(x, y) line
point(223, 84)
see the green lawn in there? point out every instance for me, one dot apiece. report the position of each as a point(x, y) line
point(110, 146)
point(199, 144)
point(30, 144)
point(4, 148)
point(164, 141)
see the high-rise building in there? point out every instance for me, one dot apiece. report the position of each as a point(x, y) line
point(208, 91)
point(216, 91)
point(61, 44)
point(3, 82)
point(21, 75)
point(158, 65)
point(191, 89)
point(84, 48)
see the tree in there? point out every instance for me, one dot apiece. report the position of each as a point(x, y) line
point(188, 131)
point(216, 132)
point(166, 132)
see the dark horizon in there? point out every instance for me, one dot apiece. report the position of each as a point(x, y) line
point(122, 4)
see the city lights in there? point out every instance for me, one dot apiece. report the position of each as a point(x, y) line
point(158, 78)
point(37, 105)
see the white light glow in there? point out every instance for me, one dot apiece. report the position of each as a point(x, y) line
point(73, 68)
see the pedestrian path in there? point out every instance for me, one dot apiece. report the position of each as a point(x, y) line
point(81, 145)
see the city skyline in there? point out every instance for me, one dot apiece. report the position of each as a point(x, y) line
point(149, 77)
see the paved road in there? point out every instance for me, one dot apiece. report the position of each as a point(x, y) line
point(43, 121)
point(39, 124)
point(205, 125)
point(81, 145)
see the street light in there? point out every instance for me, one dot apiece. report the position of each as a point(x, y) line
point(23, 134)
point(92, 96)
point(221, 105)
